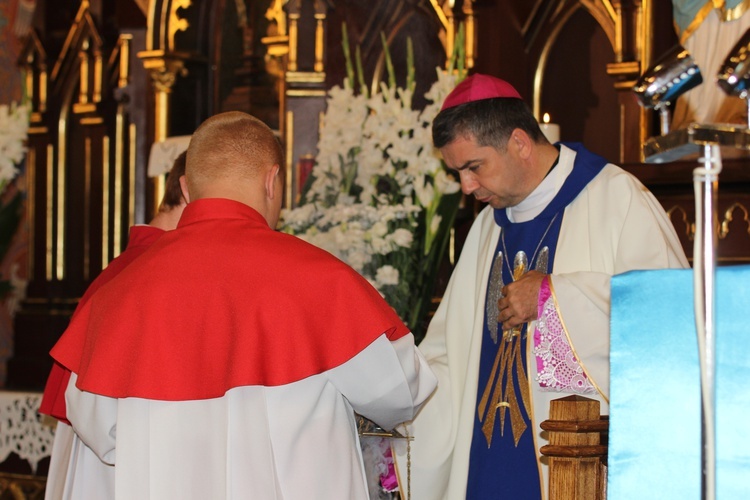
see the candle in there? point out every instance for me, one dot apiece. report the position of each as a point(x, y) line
point(550, 130)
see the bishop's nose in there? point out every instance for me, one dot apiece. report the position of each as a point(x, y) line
point(468, 181)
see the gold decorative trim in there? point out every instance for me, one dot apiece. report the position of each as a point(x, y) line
point(447, 20)
point(736, 12)
point(176, 23)
point(132, 139)
point(441, 14)
point(80, 108)
point(275, 14)
point(644, 41)
point(289, 136)
point(22, 486)
point(42, 91)
point(92, 120)
point(305, 77)
point(625, 85)
point(570, 342)
point(605, 15)
point(119, 158)
point(124, 66)
point(97, 94)
point(49, 230)
point(729, 216)
point(697, 21)
point(83, 68)
point(689, 226)
point(86, 208)
point(277, 45)
point(305, 93)
point(602, 12)
point(164, 67)
point(62, 152)
point(293, 41)
point(542, 63)
point(105, 201)
point(83, 18)
point(319, 41)
point(37, 130)
point(624, 68)
point(470, 42)
point(31, 208)
point(28, 76)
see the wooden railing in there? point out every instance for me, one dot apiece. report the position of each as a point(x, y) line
point(577, 449)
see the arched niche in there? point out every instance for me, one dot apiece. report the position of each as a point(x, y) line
point(572, 85)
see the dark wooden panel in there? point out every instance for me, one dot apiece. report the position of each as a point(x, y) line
point(672, 184)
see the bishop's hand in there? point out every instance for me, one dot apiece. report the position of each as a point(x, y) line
point(519, 302)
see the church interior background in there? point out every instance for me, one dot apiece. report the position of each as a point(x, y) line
point(109, 80)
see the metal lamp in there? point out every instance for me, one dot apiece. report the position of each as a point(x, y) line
point(671, 76)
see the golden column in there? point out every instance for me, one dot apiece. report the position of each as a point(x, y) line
point(633, 29)
point(296, 56)
point(164, 64)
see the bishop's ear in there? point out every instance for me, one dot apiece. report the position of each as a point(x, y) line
point(521, 142)
point(184, 189)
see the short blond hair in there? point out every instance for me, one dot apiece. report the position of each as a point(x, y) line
point(232, 145)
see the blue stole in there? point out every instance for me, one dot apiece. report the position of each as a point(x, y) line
point(655, 413)
point(505, 469)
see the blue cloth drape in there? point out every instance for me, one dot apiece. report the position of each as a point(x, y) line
point(655, 422)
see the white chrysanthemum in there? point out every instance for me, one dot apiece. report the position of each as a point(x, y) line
point(379, 229)
point(387, 275)
point(300, 218)
point(381, 246)
point(402, 237)
point(358, 259)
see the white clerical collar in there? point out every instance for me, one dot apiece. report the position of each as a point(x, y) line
point(540, 197)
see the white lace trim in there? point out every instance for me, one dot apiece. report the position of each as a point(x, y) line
point(557, 368)
point(22, 429)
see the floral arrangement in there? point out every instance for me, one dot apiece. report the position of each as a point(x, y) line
point(14, 128)
point(378, 196)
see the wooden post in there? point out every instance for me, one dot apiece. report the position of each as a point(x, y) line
point(577, 453)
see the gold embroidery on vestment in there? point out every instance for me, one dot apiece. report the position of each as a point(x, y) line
point(508, 359)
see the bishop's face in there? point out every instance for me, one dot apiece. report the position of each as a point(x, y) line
point(492, 176)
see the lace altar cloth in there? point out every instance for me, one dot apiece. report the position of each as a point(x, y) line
point(23, 429)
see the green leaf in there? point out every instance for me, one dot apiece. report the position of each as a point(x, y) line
point(430, 265)
point(411, 82)
point(361, 74)
point(10, 216)
point(347, 55)
point(388, 62)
